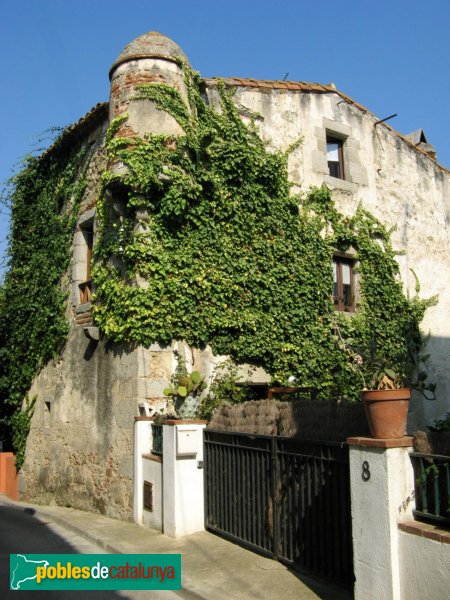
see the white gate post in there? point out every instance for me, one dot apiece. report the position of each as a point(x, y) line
point(183, 498)
point(382, 492)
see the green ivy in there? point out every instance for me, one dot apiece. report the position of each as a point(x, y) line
point(227, 387)
point(44, 199)
point(200, 240)
point(212, 247)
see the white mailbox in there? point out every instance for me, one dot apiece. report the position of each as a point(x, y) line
point(187, 442)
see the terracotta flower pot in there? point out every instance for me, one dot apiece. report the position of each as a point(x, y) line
point(387, 412)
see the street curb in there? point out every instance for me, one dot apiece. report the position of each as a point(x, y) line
point(79, 531)
point(43, 515)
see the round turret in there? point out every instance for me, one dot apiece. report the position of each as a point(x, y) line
point(150, 58)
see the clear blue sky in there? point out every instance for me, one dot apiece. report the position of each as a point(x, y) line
point(391, 56)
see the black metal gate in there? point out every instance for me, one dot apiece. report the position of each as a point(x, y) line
point(287, 498)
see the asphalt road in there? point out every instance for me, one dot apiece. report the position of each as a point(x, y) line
point(22, 533)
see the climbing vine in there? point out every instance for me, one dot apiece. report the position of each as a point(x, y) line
point(201, 239)
point(44, 199)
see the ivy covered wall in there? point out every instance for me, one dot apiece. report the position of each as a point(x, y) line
point(201, 239)
point(44, 199)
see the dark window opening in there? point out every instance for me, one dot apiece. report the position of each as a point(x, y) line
point(87, 230)
point(335, 157)
point(344, 284)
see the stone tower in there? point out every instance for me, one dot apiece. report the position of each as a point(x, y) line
point(150, 58)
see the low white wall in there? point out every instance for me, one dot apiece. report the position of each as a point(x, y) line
point(178, 499)
point(183, 479)
point(142, 443)
point(424, 568)
point(390, 562)
point(382, 488)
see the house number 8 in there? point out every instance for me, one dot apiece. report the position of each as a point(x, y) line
point(365, 471)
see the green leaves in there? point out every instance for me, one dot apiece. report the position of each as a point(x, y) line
point(195, 377)
point(209, 246)
point(231, 259)
point(182, 391)
point(44, 199)
point(185, 389)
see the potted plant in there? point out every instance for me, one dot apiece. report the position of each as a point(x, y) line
point(387, 390)
point(386, 404)
point(185, 390)
point(183, 393)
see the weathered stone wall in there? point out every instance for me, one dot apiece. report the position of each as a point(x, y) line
point(143, 115)
point(80, 447)
point(400, 185)
point(79, 451)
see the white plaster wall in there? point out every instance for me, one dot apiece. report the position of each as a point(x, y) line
point(142, 443)
point(146, 469)
point(424, 568)
point(401, 186)
point(183, 484)
point(377, 506)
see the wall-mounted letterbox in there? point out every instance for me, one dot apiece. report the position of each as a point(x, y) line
point(148, 495)
point(187, 442)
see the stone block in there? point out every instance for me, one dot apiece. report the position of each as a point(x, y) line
point(340, 184)
point(358, 174)
point(322, 145)
point(160, 365)
point(319, 161)
point(336, 127)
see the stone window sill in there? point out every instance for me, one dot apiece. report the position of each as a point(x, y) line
point(82, 308)
point(340, 184)
point(425, 530)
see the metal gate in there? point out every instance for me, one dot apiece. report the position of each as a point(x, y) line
point(283, 497)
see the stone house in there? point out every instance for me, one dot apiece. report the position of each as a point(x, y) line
point(79, 450)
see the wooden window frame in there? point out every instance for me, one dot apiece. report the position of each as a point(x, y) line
point(339, 305)
point(332, 139)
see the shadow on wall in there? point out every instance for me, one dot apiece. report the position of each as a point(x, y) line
point(424, 412)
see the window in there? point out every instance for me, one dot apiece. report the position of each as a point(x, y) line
point(335, 157)
point(87, 229)
point(344, 284)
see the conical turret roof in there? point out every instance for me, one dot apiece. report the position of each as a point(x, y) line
point(150, 45)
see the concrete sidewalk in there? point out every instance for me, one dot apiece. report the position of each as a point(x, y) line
point(212, 568)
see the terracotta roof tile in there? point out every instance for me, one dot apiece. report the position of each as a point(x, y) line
point(272, 84)
point(266, 85)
